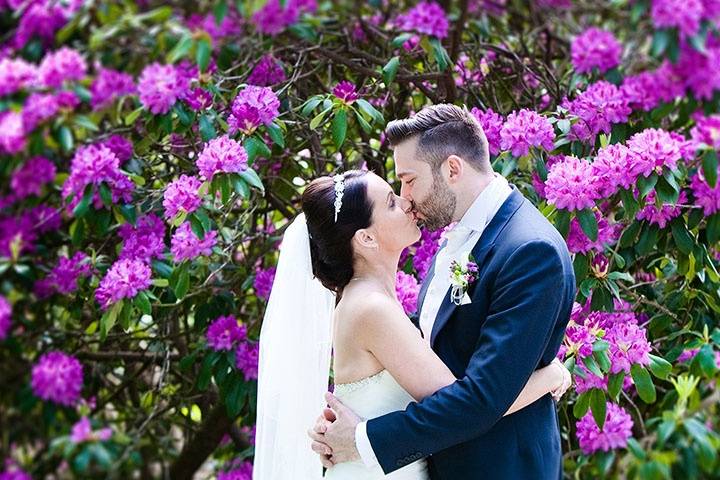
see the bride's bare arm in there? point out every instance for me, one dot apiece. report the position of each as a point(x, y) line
point(385, 331)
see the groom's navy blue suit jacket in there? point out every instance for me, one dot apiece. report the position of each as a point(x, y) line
point(520, 307)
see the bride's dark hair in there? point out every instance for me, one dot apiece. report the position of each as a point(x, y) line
point(331, 242)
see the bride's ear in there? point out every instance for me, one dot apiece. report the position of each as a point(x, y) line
point(366, 239)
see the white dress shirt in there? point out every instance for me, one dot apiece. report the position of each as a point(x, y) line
point(461, 238)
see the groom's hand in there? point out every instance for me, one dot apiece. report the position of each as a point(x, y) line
point(340, 434)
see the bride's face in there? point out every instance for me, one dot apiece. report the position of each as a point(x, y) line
point(393, 223)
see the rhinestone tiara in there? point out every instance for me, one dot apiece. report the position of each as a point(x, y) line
point(339, 192)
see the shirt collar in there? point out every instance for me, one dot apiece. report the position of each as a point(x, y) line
point(486, 204)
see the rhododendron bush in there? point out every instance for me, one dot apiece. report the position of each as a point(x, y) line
point(152, 156)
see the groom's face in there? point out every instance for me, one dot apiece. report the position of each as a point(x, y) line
point(432, 199)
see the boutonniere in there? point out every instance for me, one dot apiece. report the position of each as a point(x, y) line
point(463, 272)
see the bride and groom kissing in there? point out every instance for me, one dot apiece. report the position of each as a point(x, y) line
point(466, 391)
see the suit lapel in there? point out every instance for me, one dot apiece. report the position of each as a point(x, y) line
point(479, 251)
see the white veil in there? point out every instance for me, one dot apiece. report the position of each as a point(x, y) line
point(294, 364)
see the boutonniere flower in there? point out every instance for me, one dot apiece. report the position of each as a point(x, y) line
point(463, 272)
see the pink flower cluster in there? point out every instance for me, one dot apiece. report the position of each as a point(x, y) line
point(706, 196)
point(525, 129)
point(346, 91)
point(661, 215)
point(225, 333)
point(595, 48)
point(15, 74)
point(5, 317)
point(237, 471)
point(571, 185)
point(57, 377)
point(263, 282)
point(246, 359)
point(492, 124)
point(60, 66)
point(267, 72)
point(185, 245)
point(426, 18)
point(597, 108)
point(125, 279)
point(160, 86)
point(252, 107)
point(143, 241)
point(222, 155)
point(30, 177)
point(82, 432)
point(685, 15)
point(181, 195)
point(273, 17)
point(109, 85)
point(407, 289)
point(614, 434)
point(93, 165)
point(64, 276)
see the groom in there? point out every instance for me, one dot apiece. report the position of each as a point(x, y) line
point(514, 324)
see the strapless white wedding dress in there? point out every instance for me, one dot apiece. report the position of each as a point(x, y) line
point(372, 397)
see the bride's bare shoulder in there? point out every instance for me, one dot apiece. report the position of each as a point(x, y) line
point(363, 307)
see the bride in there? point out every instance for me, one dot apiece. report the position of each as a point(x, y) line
point(335, 290)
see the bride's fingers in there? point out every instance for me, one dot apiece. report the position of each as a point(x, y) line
point(321, 425)
point(320, 448)
point(329, 415)
point(326, 461)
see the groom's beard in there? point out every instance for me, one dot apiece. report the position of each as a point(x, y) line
point(439, 206)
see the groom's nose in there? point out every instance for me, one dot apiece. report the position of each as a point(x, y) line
point(406, 205)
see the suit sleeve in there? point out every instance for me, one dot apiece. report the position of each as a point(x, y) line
point(528, 295)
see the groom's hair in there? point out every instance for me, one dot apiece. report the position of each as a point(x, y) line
point(443, 130)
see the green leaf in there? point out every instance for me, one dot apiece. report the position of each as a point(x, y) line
point(276, 134)
point(683, 239)
point(255, 148)
point(132, 116)
point(65, 137)
point(241, 187)
point(85, 122)
point(107, 321)
point(643, 383)
point(562, 222)
point(310, 105)
point(142, 301)
point(363, 123)
point(582, 405)
point(592, 365)
point(339, 127)
point(713, 228)
point(83, 206)
point(207, 130)
point(181, 49)
point(180, 281)
point(196, 227)
point(615, 383)
point(317, 120)
point(710, 167)
point(603, 360)
point(441, 56)
point(660, 367)
point(598, 406)
point(588, 223)
point(646, 184)
point(706, 360)
point(106, 195)
point(660, 42)
point(202, 53)
point(370, 111)
point(630, 204)
point(390, 70)
point(252, 178)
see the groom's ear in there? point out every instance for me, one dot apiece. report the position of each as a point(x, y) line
point(365, 238)
point(456, 166)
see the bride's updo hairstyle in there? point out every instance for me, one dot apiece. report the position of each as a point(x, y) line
point(331, 242)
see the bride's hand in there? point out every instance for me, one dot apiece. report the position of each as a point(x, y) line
point(565, 380)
